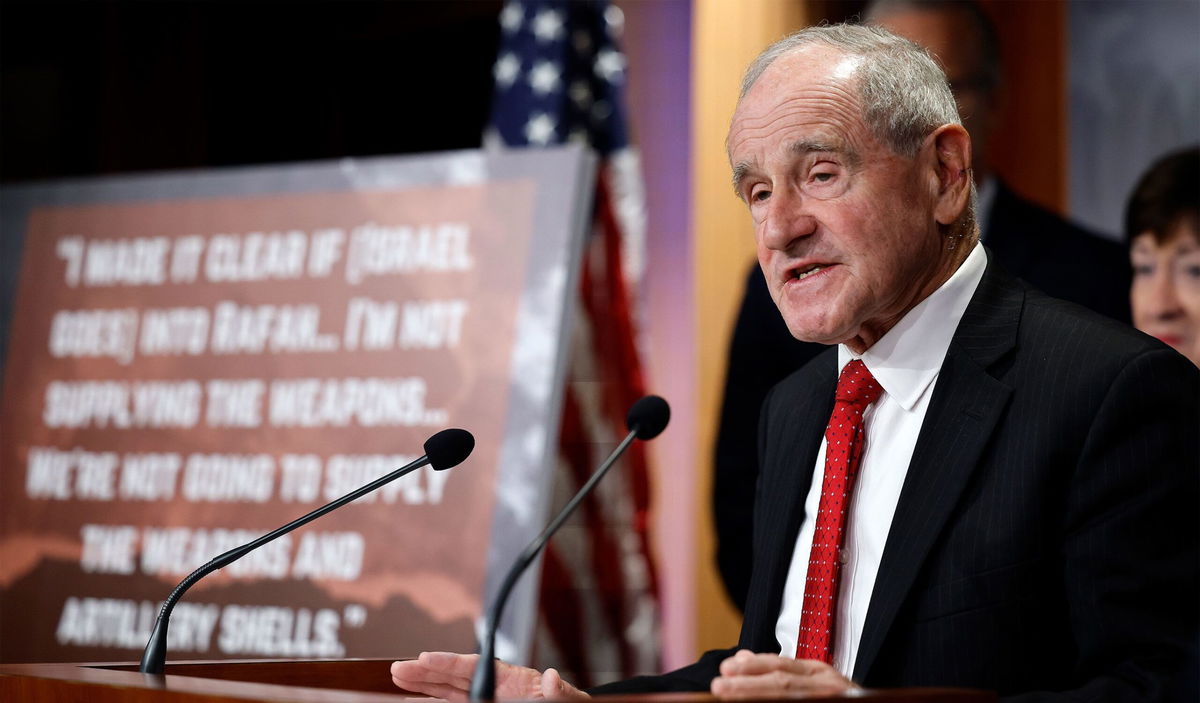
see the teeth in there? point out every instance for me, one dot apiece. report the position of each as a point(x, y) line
point(809, 272)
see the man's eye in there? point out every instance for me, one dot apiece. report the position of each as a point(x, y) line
point(824, 177)
point(1142, 269)
point(760, 195)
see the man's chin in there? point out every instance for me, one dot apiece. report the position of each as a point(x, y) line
point(817, 335)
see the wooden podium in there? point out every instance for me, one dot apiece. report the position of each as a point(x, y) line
point(337, 681)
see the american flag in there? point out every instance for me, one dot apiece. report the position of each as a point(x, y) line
point(559, 77)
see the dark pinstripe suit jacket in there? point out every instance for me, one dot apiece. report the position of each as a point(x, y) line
point(1046, 536)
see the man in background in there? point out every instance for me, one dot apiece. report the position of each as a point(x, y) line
point(1057, 257)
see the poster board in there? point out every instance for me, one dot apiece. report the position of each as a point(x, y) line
point(193, 359)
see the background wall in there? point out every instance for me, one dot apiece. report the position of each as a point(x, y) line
point(110, 86)
point(658, 41)
point(1134, 88)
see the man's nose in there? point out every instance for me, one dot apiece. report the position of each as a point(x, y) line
point(787, 219)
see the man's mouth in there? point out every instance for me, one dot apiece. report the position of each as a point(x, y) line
point(803, 272)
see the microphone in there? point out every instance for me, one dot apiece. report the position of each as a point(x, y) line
point(443, 450)
point(646, 420)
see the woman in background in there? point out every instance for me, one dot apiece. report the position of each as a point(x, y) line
point(1162, 226)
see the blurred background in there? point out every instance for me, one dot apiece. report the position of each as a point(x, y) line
point(1093, 91)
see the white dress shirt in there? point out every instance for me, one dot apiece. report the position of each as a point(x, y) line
point(905, 362)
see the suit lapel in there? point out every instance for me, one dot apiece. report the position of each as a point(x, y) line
point(786, 478)
point(967, 404)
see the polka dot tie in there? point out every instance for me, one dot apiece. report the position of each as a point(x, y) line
point(856, 389)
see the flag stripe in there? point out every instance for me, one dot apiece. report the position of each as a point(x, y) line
point(559, 77)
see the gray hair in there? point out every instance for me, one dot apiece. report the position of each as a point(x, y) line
point(904, 93)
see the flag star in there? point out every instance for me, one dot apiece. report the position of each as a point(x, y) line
point(610, 65)
point(544, 77)
point(547, 25)
point(511, 17)
point(615, 19)
point(506, 69)
point(579, 135)
point(581, 94)
point(601, 111)
point(540, 129)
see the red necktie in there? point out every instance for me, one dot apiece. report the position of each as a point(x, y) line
point(856, 389)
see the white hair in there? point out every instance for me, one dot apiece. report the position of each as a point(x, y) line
point(904, 93)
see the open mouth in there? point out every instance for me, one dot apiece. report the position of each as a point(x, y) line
point(803, 272)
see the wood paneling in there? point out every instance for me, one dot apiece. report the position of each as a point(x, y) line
point(1029, 147)
point(727, 35)
point(335, 681)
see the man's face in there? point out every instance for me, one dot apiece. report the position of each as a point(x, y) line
point(845, 230)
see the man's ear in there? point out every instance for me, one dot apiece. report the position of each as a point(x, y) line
point(952, 150)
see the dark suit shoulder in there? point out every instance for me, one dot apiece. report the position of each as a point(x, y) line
point(1064, 332)
point(1070, 369)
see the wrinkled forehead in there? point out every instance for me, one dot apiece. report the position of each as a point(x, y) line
point(814, 85)
point(812, 64)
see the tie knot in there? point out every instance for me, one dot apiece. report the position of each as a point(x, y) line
point(857, 386)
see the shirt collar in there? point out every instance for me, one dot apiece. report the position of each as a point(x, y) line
point(907, 359)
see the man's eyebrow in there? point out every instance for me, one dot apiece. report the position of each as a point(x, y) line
point(802, 147)
point(740, 170)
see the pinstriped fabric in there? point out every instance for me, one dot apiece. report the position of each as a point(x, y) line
point(1022, 556)
point(793, 431)
point(1045, 541)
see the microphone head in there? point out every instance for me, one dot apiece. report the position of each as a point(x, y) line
point(648, 417)
point(449, 448)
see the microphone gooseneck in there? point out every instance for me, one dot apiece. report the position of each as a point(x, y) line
point(443, 450)
point(646, 420)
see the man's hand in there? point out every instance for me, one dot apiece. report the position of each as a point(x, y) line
point(750, 675)
point(447, 675)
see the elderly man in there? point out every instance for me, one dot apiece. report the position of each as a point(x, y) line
point(980, 486)
point(1034, 244)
